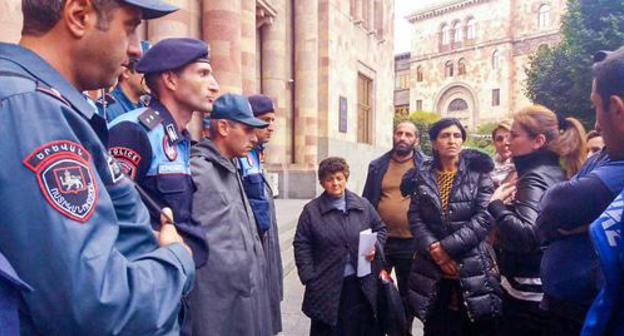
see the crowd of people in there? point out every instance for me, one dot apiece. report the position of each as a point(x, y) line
point(122, 216)
point(481, 245)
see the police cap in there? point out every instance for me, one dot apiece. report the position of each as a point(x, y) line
point(152, 9)
point(236, 108)
point(261, 104)
point(173, 53)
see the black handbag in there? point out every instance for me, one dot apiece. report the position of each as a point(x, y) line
point(390, 309)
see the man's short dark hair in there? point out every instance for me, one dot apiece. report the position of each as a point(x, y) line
point(40, 16)
point(151, 79)
point(332, 165)
point(212, 130)
point(609, 76)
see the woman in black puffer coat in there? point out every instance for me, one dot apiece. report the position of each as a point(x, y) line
point(538, 141)
point(454, 283)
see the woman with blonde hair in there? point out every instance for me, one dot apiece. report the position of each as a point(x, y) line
point(540, 139)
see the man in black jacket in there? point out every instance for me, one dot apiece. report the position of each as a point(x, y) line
point(382, 189)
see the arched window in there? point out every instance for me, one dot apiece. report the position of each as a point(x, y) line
point(419, 74)
point(471, 29)
point(543, 17)
point(457, 32)
point(446, 34)
point(448, 69)
point(458, 105)
point(495, 59)
point(461, 67)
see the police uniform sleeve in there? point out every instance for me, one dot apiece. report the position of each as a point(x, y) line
point(129, 144)
point(60, 232)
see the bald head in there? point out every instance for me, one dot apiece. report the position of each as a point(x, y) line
point(404, 139)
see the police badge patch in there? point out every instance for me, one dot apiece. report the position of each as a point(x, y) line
point(170, 149)
point(65, 178)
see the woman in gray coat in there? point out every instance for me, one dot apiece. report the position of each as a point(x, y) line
point(326, 252)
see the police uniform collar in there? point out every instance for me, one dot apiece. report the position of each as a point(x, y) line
point(42, 71)
point(122, 98)
point(171, 128)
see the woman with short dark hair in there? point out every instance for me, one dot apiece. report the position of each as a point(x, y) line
point(453, 287)
point(326, 251)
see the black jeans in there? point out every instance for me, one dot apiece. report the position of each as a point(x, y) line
point(522, 318)
point(399, 254)
point(449, 316)
point(355, 315)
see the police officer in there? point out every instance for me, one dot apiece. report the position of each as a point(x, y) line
point(93, 271)
point(152, 143)
point(260, 197)
point(128, 94)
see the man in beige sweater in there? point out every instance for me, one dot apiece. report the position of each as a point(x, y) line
point(382, 189)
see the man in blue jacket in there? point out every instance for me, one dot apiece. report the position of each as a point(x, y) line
point(569, 269)
point(153, 145)
point(606, 314)
point(73, 226)
point(127, 94)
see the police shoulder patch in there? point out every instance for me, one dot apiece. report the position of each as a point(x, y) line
point(66, 178)
point(127, 158)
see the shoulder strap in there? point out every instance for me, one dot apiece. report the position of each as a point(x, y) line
point(47, 90)
point(150, 118)
point(4, 73)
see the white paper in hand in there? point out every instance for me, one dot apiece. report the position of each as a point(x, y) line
point(366, 243)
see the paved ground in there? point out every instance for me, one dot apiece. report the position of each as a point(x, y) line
point(295, 323)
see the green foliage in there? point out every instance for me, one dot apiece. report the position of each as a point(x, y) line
point(423, 121)
point(560, 77)
point(482, 139)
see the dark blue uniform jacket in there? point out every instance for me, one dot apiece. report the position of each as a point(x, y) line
point(152, 151)
point(73, 226)
point(10, 287)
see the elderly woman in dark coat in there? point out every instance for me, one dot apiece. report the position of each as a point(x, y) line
point(453, 287)
point(326, 252)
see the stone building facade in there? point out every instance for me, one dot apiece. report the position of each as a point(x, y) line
point(402, 84)
point(469, 57)
point(327, 64)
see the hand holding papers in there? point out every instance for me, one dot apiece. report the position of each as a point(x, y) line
point(366, 244)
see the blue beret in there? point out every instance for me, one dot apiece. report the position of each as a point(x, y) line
point(235, 107)
point(261, 104)
point(173, 53)
point(152, 9)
